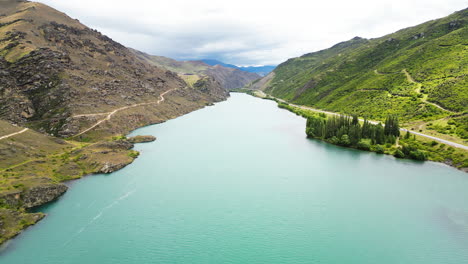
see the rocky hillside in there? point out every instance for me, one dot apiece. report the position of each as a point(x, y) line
point(53, 70)
point(229, 78)
point(419, 73)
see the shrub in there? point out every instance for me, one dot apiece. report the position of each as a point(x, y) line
point(399, 154)
point(121, 137)
point(418, 155)
point(379, 149)
point(363, 145)
point(18, 186)
point(334, 140)
point(133, 154)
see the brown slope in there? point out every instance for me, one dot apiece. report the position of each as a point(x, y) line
point(231, 78)
point(53, 68)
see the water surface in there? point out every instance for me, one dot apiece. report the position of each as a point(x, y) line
point(239, 183)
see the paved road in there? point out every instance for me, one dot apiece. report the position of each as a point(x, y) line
point(450, 143)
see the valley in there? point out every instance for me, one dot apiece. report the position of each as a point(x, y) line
point(221, 171)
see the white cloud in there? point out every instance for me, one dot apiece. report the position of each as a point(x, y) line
point(248, 31)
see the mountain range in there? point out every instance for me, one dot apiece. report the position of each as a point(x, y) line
point(192, 71)
point(260, 70)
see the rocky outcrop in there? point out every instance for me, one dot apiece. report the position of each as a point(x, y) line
point(111, 167)
point(34, 196)
point(115, 145)
point(42, 194)
point(32, 89)
point(141, 139)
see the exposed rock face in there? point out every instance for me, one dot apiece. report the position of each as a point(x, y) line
point(111, 167)
point(32, 89)
point(42, 194)
point(33, 196)
point(141, 139)
point(115, 145)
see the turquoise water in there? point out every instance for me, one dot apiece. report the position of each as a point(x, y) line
point(239, 183)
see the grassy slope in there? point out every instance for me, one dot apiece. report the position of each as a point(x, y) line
point(409, 73)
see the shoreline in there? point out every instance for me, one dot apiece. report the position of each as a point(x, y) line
point(123, 146)
point(446, 162)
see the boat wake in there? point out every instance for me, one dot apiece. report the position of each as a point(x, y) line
point(100, 213)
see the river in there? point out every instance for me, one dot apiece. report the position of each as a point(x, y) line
point(239, 182)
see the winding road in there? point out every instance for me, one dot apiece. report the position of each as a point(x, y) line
point(449, 143)
point(110, 114)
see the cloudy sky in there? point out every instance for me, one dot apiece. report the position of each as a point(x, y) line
point(248, 32)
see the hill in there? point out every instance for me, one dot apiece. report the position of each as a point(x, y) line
point(55, 69)
point(418, 73)
point(191, 71)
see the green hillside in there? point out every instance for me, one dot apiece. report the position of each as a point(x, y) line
point(418, 73)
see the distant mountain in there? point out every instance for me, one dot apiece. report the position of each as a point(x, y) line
point(260, 70)
point(419, 73)
point(192, 71)
point(217, 62)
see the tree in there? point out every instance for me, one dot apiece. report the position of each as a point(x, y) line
point(379, 134)
point(408, 134)
point(366, 129)
point(355, 120)
point(392, 126)
point(355, 134)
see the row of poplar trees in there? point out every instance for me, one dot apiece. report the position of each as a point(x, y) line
point(347, 131)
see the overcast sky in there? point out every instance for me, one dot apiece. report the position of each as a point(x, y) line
point(248, 32)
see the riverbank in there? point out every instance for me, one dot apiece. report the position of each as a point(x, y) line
point(431, 149)
point(35, 166)
point(240, 183)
